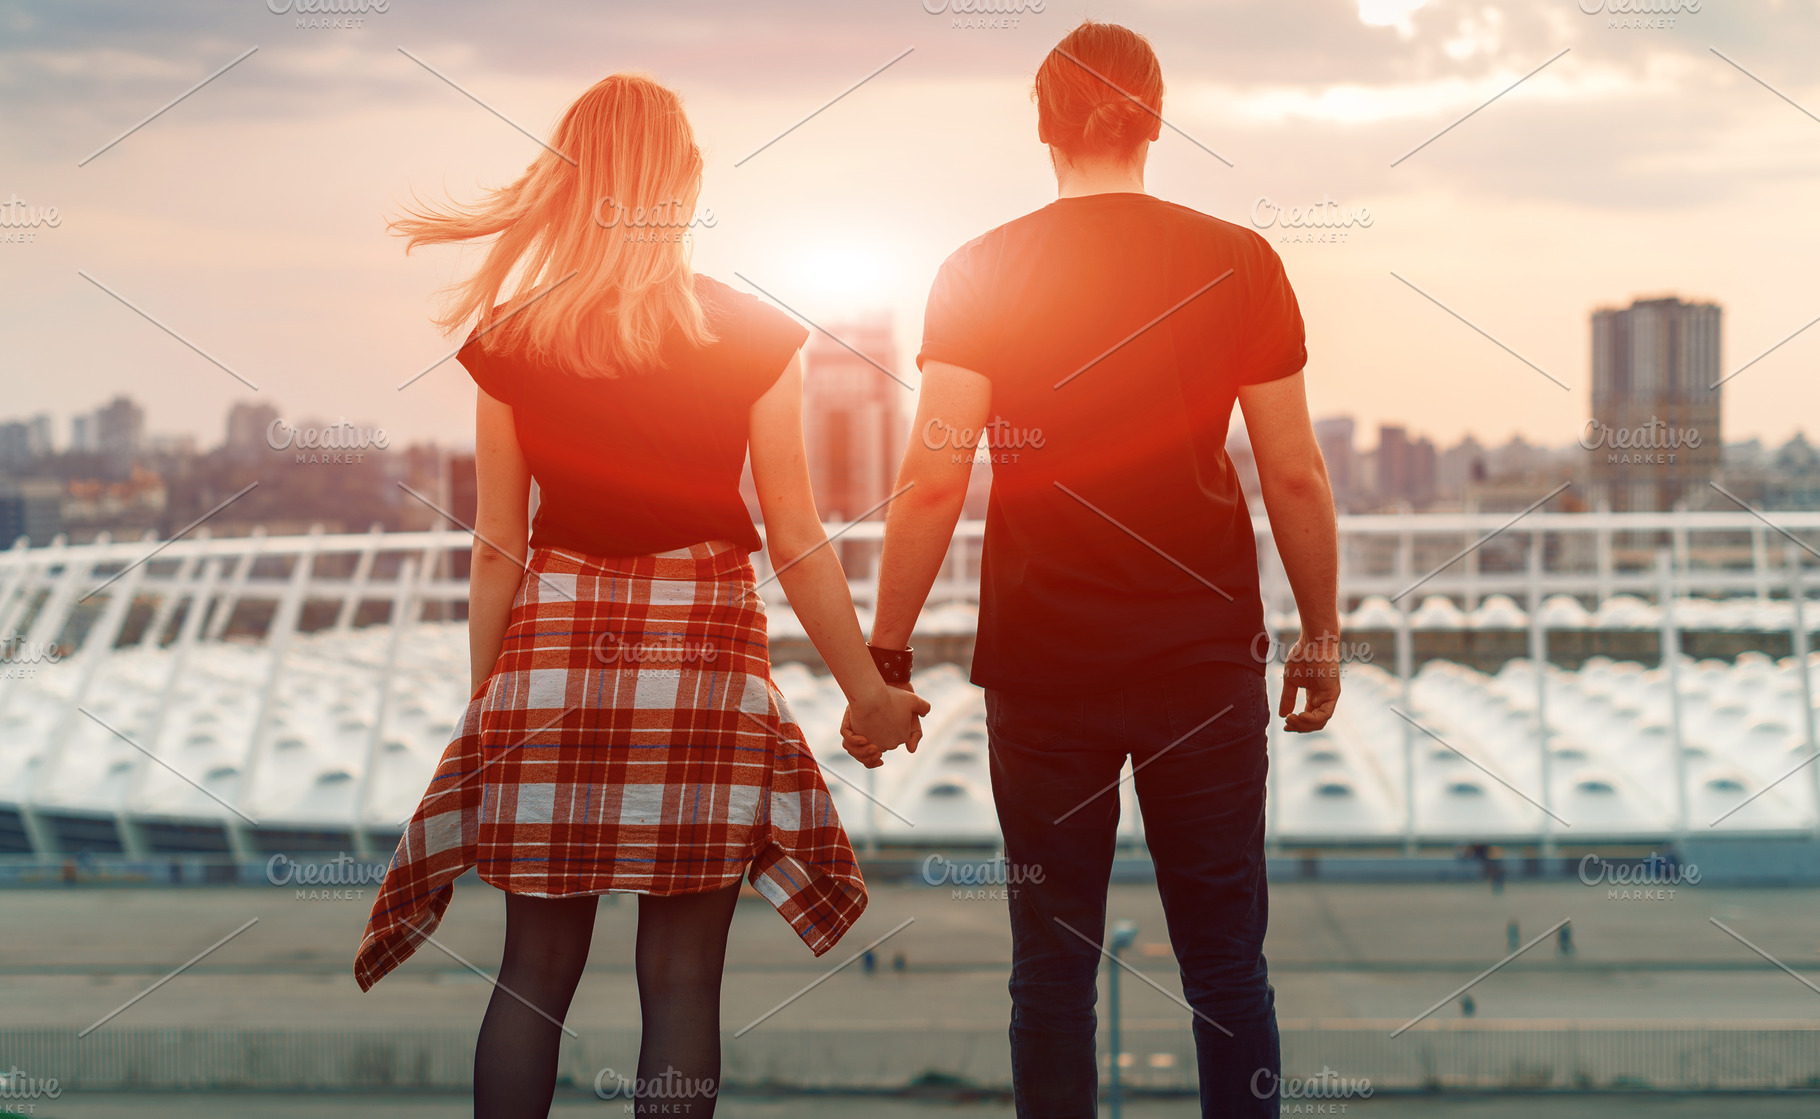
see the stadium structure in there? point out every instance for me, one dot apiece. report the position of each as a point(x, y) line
point(232, 698)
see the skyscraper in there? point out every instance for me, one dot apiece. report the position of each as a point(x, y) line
point(247, 426)
point(24, 441)
point(32, 508)
point(1334, 435)
point(1405, 467)
point(852, 431)
point(82, 433)
point(120, 427)
point(1653, 436)
point(120, 434)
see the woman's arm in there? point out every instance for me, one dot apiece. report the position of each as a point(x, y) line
point(810, 572)
point(501, 534)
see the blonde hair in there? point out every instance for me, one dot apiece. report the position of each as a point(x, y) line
point(597, 292)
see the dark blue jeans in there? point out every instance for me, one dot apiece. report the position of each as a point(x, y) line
point(1202, 798)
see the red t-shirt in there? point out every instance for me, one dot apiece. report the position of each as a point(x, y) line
point(1081, 292)
point(649, 460)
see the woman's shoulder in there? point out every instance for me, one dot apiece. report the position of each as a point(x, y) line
point(743, 321)
point(498, 372)
point(725, 305)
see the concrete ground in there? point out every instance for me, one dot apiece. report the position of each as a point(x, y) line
point(68, 957)
point(1556, 1106)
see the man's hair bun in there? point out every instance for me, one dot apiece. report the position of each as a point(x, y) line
point(1100, 92)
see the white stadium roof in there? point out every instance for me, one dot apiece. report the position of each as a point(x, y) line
point(160, 729)
point(1478, 769)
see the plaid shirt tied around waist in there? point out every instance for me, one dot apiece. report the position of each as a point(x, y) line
point(628, 739)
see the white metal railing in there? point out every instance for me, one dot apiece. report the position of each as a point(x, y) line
point(85, 596)
point(1592, 556)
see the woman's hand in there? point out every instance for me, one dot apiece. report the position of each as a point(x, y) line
point(885, 720)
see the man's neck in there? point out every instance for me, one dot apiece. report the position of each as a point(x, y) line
point(1077, 180)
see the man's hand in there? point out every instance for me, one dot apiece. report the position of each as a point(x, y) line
point(1313, 667)
point(863, 750)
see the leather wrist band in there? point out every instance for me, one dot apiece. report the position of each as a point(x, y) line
point(893, 664)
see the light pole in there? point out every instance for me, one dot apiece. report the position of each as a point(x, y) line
point(1124, 934)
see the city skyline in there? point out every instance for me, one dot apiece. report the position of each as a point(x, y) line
point(128, 479)
point(848, 366)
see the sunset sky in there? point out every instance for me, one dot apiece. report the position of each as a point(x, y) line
point(250, 217)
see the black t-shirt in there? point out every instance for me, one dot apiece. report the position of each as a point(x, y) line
point(1099, 387)
point(649, 460)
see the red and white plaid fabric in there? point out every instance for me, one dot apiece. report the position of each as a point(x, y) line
point(629, 738)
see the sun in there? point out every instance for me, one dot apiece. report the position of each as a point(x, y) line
point(844, 277)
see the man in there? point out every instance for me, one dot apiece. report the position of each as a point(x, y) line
point(1101, 343)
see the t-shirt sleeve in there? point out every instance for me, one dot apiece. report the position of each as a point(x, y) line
point(489, 371)
point(1275, 345)
point(768, 338)
point(954, 322)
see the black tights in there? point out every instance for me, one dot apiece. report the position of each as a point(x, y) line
point(682, 949)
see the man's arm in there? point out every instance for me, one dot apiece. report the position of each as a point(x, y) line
point(1299, 502)
point(809, 571)
point(921, 522)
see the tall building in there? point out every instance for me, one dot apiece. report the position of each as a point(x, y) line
point(82, 434)
point(23, 442)
point(1461, 468)
point(116, 430)
point(120, 427)
point(1653, 437)
point(32, 509)
point(118, 433)
point(851, 424)
point(247, 426)
point(1405, 467)
point(1334, 436)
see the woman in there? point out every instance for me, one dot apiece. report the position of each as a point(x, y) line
point(624, 734)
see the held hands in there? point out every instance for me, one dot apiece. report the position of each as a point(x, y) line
point(894, 719)
point(1313, 667)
